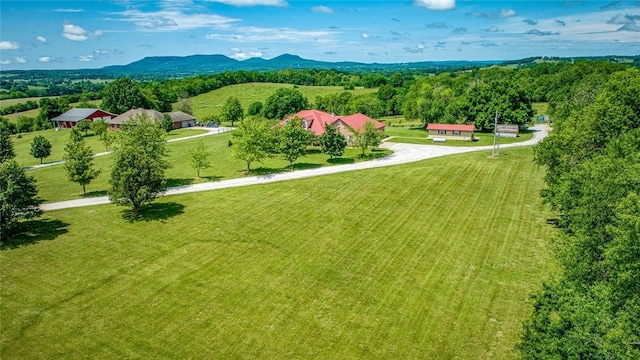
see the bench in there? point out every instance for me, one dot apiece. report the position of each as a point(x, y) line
point(439, 140)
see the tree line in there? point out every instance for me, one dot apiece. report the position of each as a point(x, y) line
point(472, 96)
point(592, 157)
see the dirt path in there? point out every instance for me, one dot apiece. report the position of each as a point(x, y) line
point(403, 153)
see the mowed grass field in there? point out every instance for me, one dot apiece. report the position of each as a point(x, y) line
point(59, 139)
point(209, 104)
point(430, 260)
point(54, 186)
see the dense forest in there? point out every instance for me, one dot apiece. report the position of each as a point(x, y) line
point(592, 157)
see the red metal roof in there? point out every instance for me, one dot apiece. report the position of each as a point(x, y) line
point(451, 127)
point(317, 120)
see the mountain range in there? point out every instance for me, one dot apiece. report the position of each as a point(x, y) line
point(204, 64)
point(162, 67)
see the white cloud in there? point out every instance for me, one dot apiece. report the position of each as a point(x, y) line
point(108, 52)
point(9, 45)
point(174, 20)
point(365, 36)
point(492, 29)
point(322, 9)
point(436, 4)
point(281, 3)
point(21, 59)
point(504, 13)
point(69, 10)
point(77, 33)
point(85, 57)
point(243, 55)
point(44, 59)
point(258, 34)
point(42, 39)
point(5, 62)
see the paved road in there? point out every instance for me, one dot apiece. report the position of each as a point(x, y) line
point(210, 131)
point(403, 153)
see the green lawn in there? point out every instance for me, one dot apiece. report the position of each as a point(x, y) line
point(418, 135)
point(209, 104)
point(435, 259)
point(58, 140)
point(54, 186)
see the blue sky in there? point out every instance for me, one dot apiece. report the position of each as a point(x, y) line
point(50, 34)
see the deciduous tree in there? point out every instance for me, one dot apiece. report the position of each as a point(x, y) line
point(199, 157)
point(251, 141)
point(232, 110)
point(78, 161)
point(122, 95)
point(368, 137)
point(100, 128)
point(84, 125)
point(284, 101)
point(293, 140)
point(40, 147)
point(137, 175)
point(333, 142)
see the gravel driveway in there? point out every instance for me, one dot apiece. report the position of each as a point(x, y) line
point(403, 153)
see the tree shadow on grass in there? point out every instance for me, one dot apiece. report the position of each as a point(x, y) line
point(33, 231)
point(154, 212)
point(341, 161)
point(303, 166)
point(97, 193)
point(179, 182)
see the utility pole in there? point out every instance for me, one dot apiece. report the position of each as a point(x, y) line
point(496, 143)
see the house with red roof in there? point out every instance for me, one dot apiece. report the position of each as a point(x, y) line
point(316, 121)
point(443, 132)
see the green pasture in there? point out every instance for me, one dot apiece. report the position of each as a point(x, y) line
point(59, 139)
point(54, 186)
point(209, 104)
point(9, 102)
point(429, 260)
point(34, 112)
point(418, 135)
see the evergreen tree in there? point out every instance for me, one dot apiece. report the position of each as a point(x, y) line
point(78, 160)
point(18, 197)
point(6, 146)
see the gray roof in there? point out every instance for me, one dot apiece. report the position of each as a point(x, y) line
point(153, 114)
point(176, 116)
point(76, 114)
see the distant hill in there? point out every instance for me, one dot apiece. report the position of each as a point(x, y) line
point(174, 66)
point(163, 67)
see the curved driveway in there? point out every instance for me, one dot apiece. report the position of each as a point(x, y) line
point(403, 153)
